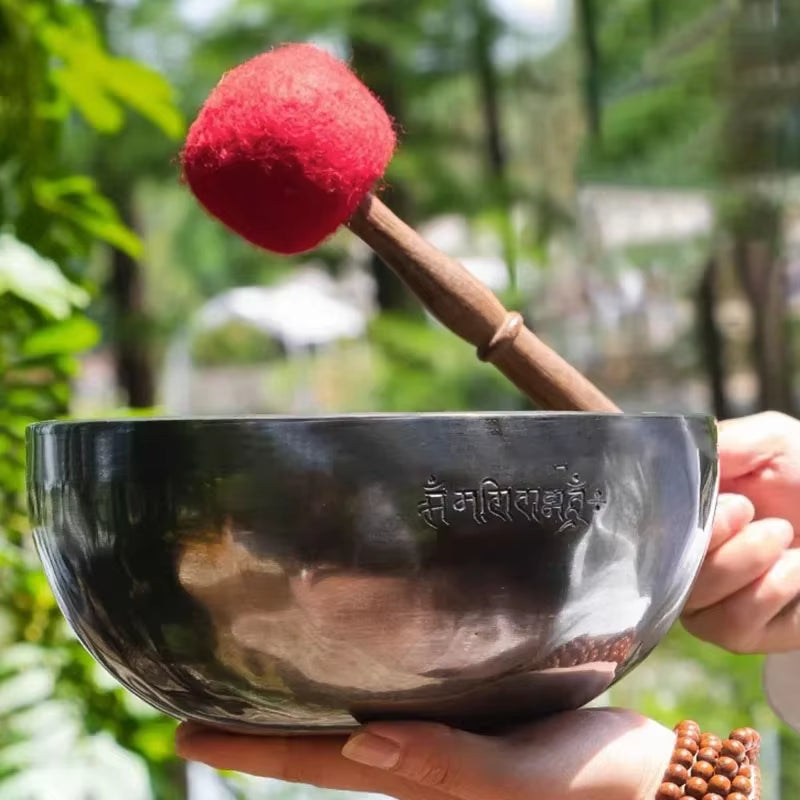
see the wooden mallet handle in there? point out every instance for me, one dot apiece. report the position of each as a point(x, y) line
point(473, 312)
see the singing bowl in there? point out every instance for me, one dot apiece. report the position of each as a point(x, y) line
point(304, 575)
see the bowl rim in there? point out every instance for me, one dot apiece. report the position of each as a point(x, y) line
point(359, 416)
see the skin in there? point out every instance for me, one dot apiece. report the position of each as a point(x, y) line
point(744, 597)
point(743, 601)
point(580, 755)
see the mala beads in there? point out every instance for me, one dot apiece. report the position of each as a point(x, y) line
point(705, 767)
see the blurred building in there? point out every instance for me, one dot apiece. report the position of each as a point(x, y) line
point(272, 349)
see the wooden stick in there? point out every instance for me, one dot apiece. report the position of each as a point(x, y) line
point(472, 311)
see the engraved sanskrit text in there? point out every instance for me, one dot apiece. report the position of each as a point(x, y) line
point(564, 505)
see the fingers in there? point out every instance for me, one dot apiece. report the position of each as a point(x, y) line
point(459, 764)
point(760, 458)
point(774, 606)
point(740, 561)
point(748, 444)
point(411, 761)
point(312, 760)
point(733, 513)
point(577, 756)
point(764, 616)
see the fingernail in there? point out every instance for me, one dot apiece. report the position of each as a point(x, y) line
point(372, 751)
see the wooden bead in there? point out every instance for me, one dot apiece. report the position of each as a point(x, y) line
point(702, 769)
point(708, 754)
point(743, 735)
point(727, 766)
point(677, 774)
point(705, 767)
point(669, 791)
point(695, 787)
point(719, 784)
point(685, 743)
point(742, 784)
point(733, 749)
point(684, 757)
point(755, 747)
point(755, 734)
point(689, 733)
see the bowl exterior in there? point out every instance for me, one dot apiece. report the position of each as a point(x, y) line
point(306, 575)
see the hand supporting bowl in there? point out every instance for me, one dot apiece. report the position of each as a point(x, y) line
point(305, 575)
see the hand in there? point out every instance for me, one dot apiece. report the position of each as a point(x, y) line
point(744, 596)
point(579, 755)
point(760, 459)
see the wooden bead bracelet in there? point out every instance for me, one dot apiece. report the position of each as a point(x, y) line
point(705, 767)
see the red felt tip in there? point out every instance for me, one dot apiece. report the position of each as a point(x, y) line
point(286, 147)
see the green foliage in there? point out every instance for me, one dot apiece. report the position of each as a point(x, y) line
point(659, 93)
point(90, 80)
point(75, 201)
point(54, 69)
point(425, 368)
point(35, 301)
point(686, 678)
point(234, 343)
point(29, 277)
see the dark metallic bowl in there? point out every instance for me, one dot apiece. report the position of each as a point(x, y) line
point(300, 575)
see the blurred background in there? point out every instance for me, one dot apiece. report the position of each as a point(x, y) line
point(625, 172)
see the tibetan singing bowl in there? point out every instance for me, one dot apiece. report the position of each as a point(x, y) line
point(280, 574)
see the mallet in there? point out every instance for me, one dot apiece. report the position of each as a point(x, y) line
point(291, 145)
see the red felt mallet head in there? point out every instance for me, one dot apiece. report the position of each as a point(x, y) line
point(286, 147)
point(289, 147)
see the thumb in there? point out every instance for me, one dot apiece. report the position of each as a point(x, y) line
point(581, 755)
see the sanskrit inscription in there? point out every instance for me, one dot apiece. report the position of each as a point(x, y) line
point(563, 505)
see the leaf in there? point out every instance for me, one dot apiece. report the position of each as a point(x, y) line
point(29, 276)
point(148, 93)
point(101, 86)
point(78, 200)
point(73, 335)
point(88, 98)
